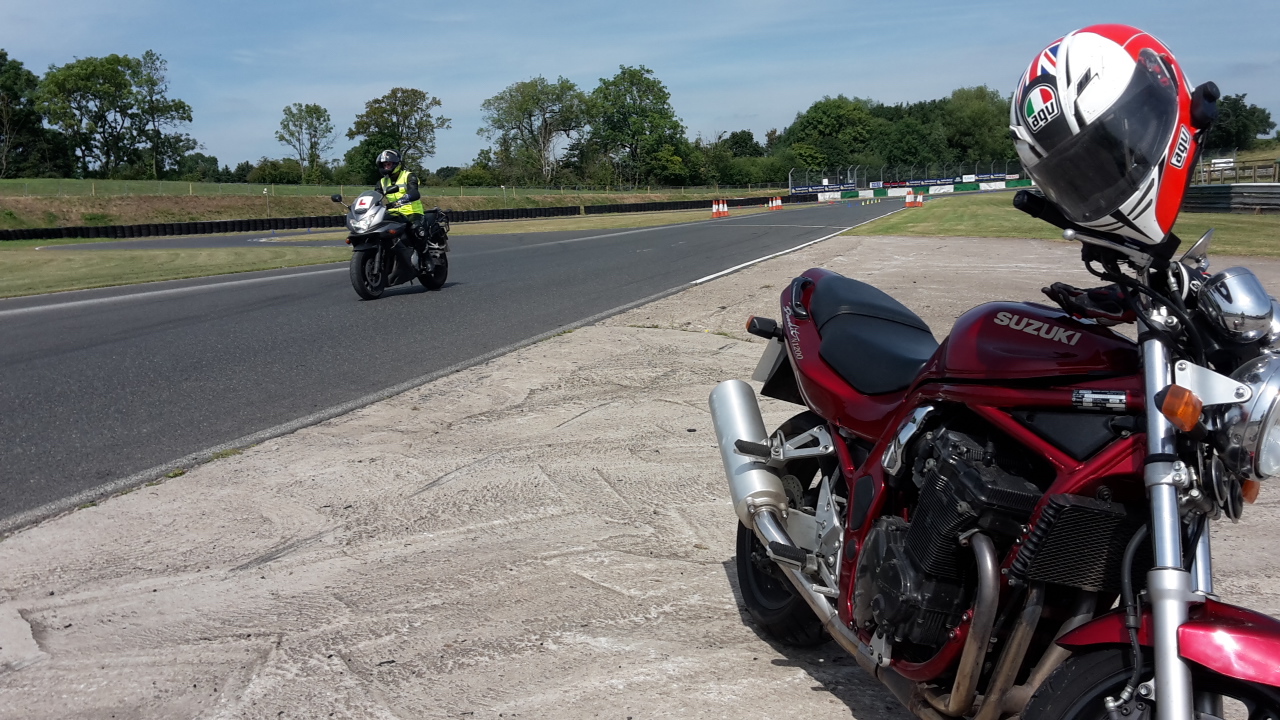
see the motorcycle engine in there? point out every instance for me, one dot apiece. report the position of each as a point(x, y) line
point(914, 580)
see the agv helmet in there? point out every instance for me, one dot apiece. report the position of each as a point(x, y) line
point(1107, 127)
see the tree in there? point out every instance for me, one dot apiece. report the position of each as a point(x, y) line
point(198, 167)
point(92, 101)
point(833, 131)
point(977, 120)
point(22, 136)
point(158, 112)
point(743, 144)
point(771, 140)
point(285, 171)
point(403, 116)
point(1239, 124)
point(532, 117)
point(242, 172)
point(633, 121)
point(361, 160)
point(308, 131)
point(447, 172)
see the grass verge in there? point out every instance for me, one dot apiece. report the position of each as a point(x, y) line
point(616, 221)
point(25, 270)
point(28, 271)
point(39, 212)
point(993, 215)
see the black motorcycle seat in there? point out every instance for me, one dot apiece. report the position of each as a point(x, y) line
point(871, 340)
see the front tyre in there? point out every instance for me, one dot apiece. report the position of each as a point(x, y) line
point(1078, 689)
point(770, 598)
point(366, 277)
point(434, 278)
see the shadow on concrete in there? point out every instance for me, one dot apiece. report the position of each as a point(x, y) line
point(832, 668)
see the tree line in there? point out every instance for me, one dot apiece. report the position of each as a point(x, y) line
point(113, 117)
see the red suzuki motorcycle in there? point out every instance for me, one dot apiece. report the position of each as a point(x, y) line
point(1016, 521)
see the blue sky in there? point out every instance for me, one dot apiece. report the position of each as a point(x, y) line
point(728, 65)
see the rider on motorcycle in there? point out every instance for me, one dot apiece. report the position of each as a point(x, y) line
point(405, 203)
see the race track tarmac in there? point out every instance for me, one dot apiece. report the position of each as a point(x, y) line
point(104, 386)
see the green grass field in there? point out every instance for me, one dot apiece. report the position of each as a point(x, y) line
point(993, 215)
point(28, 271)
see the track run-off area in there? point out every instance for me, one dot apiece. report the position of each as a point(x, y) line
point(107, 389)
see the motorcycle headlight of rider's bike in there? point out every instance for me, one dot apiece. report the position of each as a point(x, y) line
point(366, 214)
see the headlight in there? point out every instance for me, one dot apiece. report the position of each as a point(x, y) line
point(1236, 302)
point(1250, 433)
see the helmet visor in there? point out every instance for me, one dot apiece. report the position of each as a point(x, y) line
point(1090, 175)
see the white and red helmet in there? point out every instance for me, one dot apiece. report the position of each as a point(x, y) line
point(1102, 120)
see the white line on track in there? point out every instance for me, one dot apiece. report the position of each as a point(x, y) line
point(150, 294)
point(801, 246)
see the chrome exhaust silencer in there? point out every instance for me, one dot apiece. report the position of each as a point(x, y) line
point(753, 485)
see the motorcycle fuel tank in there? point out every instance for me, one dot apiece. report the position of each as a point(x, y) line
point(1009, 341)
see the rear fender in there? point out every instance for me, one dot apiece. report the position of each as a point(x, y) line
point(1226, 639)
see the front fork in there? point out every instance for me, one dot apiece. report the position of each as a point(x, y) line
point(1171, 589)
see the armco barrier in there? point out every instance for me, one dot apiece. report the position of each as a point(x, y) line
point(125, 232)
point(1239, 198)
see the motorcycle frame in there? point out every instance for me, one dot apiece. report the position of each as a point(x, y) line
point(1121, 465)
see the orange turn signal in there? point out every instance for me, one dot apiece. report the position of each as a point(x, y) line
point(1250, 488)
point(1182, 407)
point(749, 319)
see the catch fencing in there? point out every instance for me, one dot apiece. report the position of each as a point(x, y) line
point(68, 187)
point(1241, 198)
point(146, 230)
point(1230, 170)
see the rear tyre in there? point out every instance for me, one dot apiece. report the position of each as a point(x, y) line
point(1078, 689)
point(434, 279)
point(770, 598)
point(366, 277)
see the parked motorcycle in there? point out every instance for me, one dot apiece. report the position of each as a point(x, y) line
point(381, 255)
point(1016, 521)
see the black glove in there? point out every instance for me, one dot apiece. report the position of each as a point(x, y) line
point(1107, 305)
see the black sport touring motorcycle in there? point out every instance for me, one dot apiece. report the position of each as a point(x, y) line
point(381, 254)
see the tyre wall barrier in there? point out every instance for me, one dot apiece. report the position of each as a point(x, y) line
point(1244, 198)
point(125, 232)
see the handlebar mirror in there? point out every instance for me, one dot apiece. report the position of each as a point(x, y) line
point(336, 197)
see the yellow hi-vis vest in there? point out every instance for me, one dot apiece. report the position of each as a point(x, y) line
point(413, 208)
